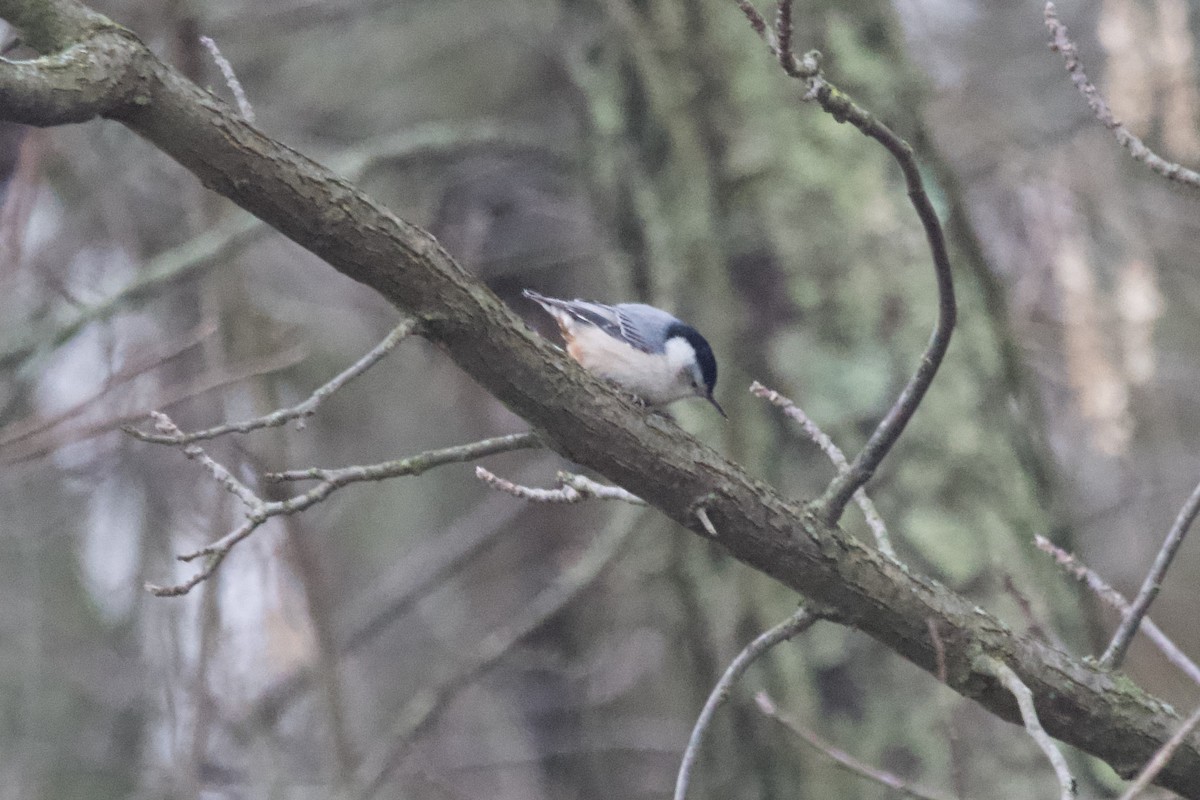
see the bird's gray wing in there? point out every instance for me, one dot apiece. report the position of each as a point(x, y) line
point(627, 322)
point(607, 318)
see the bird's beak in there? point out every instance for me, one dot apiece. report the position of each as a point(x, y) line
point(716, 405)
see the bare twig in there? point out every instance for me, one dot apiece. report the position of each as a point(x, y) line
point(1060, 41)
point(1108, 594)
point(799, 622)
point(424, 708)
point(1024, 697)
point(572, 489)
point(1131, 619)
point(843, 759)
point(206, 382)
point(1162, 757)
point(702, 515)
point(259, 510)
point(839, 105)
point(231, 80)
point(24, 429)
point(284, 415)
point(834, 453)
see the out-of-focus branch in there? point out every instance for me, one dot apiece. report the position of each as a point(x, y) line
point(839, 106)
point(210, 247)
point(427, 567)
point(297, 412)
point(572, 489)
point(794, 625)
point(259, 510)
point(1115, 654)
point(219, 244)
point(834, 453)
point(1115, 599)
point(1060, 41)
point(1033, 726)
point(843, 759)
point(424, 708)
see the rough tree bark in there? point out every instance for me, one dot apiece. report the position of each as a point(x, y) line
point(93, 68)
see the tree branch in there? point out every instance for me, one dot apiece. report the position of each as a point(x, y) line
point(588, 423)
point(834, 453)
point(1033, 725)
point(844, 760)
point(791, 627)
point(1115, 653)
point(839, 106)
point(1109, 595)
point(298, 412)
point(1060, 41)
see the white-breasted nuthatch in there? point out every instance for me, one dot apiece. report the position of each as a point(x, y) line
point(640, 348)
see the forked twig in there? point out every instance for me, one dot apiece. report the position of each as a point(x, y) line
point(1131, 619)
point(1108, 594)
point(834, 453)
point(259, 510)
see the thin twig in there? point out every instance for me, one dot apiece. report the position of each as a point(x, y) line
point(259, 510)
point(1161, 757)
point(702, 515)
point(297, 412)
point(799, 622)
point(424, 708)
point(24, 429)
point(571, 489)
point(834, 453)
point(1060, 41)
point(1108, 594)
point(839, 106)
point(231, 80)
point(1119, 646)
point(1024, 697)
point(843, 759)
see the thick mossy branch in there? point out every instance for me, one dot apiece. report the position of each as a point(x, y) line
point(588, 423)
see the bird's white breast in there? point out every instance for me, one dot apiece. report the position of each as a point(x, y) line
point(656, 378)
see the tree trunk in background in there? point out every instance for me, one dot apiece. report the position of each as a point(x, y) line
point(1092, 258)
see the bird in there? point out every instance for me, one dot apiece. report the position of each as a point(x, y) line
point(640, 348)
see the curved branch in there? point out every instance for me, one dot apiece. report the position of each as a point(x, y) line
point(791, 627)
point(839, 106)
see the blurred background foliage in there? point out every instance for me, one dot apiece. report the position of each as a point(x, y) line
point(616, 150)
